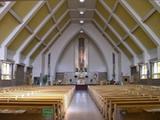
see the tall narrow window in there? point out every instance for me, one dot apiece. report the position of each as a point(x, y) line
point(49, 65)
point(143, 71)
point(6, 71)
point(113, 58)
point(156, 70)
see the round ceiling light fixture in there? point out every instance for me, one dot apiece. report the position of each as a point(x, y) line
point(81, 1)
point(81, 12)
point(81, 21)
point(81, 31)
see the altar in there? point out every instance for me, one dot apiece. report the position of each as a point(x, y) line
point(81, 78)
point(81, 82)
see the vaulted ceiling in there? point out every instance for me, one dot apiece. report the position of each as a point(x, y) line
point(28, 27)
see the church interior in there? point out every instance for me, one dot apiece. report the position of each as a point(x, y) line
point(79, 59)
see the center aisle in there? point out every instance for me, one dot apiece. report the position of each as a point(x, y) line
point(82, 107)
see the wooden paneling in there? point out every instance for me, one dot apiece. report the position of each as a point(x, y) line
point(125, 51)
point(37, 51)
point(19, 40)
point(153, 22)
point(7, 25)
point(112, 35)
point(64, 21)
point(98, 20)
point(102, 10)
point(19, 75)
point(144, 39)
point(125, 16)
point(50, 36)
point(133, 46)
point(142, 7)
point(45, 28)
point(110, 3)
point(53, 3)
point(61, 10)
point(117, 27)
point(29, 46)
point(22, 8)
point(39, 17)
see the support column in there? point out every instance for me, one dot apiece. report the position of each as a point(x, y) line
point(3, 55)
point(42, 69)
point(17, 58)
point(119, 68)
point(158, 52)
point(27, 62)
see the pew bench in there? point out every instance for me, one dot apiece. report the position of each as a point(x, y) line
point(26, 102)
point(112, 100)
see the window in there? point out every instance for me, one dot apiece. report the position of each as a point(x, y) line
point(49, 65)
point(114, 66)
point(143, 71)
point(6, 71)
point(156, 70)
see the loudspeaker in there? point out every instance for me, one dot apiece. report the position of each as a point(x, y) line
point(125, 80)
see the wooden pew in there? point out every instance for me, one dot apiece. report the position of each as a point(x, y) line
point(34, 100)
point(112, 100)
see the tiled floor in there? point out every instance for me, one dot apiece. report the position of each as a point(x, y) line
point(82, 107)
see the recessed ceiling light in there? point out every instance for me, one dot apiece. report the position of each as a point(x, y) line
point(81, 21)
point(81, 31)
point(81, 12)
point(81, 1)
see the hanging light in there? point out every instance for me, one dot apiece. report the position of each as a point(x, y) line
point(81, 21)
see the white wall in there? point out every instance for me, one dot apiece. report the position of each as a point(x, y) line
point(46, 63)
point(102, 45)
point(59, 45)
point(66, 62)
point(37, 65)
point(96, 62)
point(125, 63)
point(117, 67)
point(153, 53)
